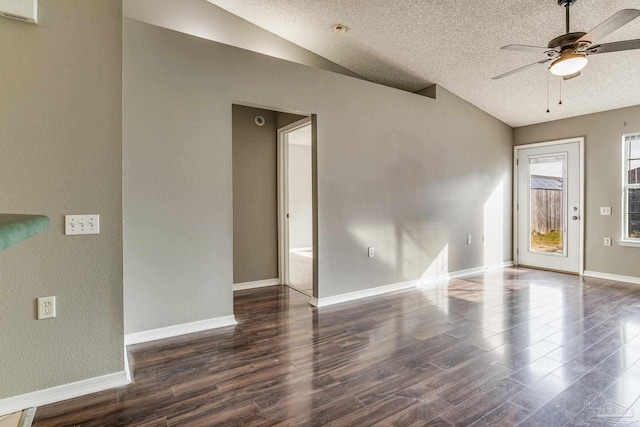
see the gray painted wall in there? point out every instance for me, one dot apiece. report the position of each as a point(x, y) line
point(407, 174)
point(603, 162)
point(60, 153)
point(206, 20)
point(300, 196)
point(255, 195)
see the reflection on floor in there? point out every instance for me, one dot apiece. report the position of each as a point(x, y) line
point(514, 347)
point(301, 270)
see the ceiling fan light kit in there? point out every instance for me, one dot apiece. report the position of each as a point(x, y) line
point(569, 63)
point(569, 51)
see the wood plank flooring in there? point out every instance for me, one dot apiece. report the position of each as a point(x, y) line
point(514, 347)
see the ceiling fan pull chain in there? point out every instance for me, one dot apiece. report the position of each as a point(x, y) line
point(560, 103)
point(547, 92)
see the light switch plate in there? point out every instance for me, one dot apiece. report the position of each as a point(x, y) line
point(81, 224)
point(605, 210)
point(21, 10)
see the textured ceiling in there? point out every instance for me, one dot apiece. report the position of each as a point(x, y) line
point(410, 44)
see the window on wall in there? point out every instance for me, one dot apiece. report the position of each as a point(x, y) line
point(632, 187)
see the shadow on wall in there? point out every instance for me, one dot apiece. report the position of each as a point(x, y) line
point(422, 249)
point(422, 197)
point(403, 78)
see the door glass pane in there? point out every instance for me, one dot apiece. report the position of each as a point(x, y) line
point(546, 195)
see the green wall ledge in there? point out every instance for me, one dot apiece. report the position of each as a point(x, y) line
point(16, 228)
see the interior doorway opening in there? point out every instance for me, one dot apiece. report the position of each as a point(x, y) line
point(274, 199)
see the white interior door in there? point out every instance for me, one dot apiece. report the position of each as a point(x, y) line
point(295, 205)
point(549, 206)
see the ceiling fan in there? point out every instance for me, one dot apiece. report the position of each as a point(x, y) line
point(569, 51)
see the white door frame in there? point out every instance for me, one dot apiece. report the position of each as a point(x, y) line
point(516, 149)
point(283, 198)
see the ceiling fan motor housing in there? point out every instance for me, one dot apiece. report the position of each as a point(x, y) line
point(565, 40)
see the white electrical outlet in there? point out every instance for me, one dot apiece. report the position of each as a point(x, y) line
point(605, 210)
point(468, 239)
point(372, 252)
point(81, 224)
point(607, 241)
point(46, 307)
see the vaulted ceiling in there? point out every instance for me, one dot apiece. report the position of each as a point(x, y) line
point(410, 44)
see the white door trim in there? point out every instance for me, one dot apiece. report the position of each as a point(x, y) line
point(283, 198)
point(516, 149)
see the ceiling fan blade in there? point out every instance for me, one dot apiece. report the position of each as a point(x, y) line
point(571, 76)
point(517, 70)
point(610, 25)
point(614, 47)
point(526, 48)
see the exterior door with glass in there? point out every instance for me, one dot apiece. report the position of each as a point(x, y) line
point(548, 206)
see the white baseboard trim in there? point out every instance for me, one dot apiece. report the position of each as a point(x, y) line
point(463, 273)
point(352, 296)
point(175, 330)
point(62, 392)
point(609, 276)
point(257, 284)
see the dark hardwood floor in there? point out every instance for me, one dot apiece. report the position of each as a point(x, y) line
point(513, 347)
